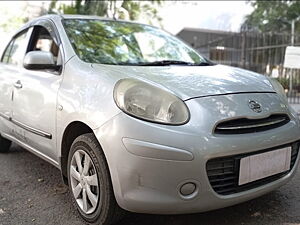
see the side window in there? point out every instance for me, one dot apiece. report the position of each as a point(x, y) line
point(6, 53)
point(43, 41)
point(18, 50)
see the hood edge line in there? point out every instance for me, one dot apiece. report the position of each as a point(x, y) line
point(232, 93)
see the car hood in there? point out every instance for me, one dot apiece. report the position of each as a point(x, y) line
point(193, 81)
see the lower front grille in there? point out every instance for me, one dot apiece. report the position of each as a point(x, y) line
point(223, 173)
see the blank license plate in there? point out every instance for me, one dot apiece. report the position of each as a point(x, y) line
point(263, 165)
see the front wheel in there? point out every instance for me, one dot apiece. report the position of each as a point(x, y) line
point(89, 182)
point(4, 145)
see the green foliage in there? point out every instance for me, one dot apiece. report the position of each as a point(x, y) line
point(126, 9)
point(284, 82)
point(12, 23)
point(272, 16)
point(12, 19)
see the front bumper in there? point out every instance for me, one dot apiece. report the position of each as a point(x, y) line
point(149, 162)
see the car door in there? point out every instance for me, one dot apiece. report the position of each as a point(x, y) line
point(35, 97)
point(9, 68)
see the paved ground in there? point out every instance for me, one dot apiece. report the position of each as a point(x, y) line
point(31, 192)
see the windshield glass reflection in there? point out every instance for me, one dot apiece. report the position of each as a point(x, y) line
point(125, 43)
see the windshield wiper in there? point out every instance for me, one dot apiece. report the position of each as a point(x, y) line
point(173, 62)
point(165, 63)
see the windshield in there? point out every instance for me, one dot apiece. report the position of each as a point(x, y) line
point(124, 43)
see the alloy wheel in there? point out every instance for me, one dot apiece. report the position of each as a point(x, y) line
point(84, 182)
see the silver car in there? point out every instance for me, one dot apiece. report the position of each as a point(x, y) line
point(136, 120)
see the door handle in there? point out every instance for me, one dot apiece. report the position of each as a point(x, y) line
point(18, 84)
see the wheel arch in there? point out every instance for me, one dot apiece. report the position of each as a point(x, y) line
point(72, 131)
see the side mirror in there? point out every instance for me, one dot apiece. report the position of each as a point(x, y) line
point(39, 60)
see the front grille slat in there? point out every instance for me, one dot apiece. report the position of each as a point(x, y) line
point(224, 180)
point(245, 125)
point(221, 168)
point(224, 185)
point(221, 174)
point(224, 161)
point(225, 191)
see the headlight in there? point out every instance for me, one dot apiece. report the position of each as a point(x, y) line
point(278, 88)
point(150, 103)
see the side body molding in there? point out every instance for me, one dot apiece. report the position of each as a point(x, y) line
point(26, 127)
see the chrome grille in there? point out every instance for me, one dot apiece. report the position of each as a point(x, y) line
point(223, 173)
point(245, 125)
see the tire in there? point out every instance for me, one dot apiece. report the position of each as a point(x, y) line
point(4, 145)
point(84, 188)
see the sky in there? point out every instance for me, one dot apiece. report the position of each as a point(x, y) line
point(220, 15)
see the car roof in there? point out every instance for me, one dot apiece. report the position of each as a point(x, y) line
point(73, 16)
point(69, 16)
point(56, 17)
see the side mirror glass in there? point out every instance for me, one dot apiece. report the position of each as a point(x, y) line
point(39, 60)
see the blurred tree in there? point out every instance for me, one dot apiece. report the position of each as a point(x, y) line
point(126, 9)
point(12, 23)
point(272, 16)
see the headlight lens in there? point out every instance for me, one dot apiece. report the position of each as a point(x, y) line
point(150, 103)
point(278, 88)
